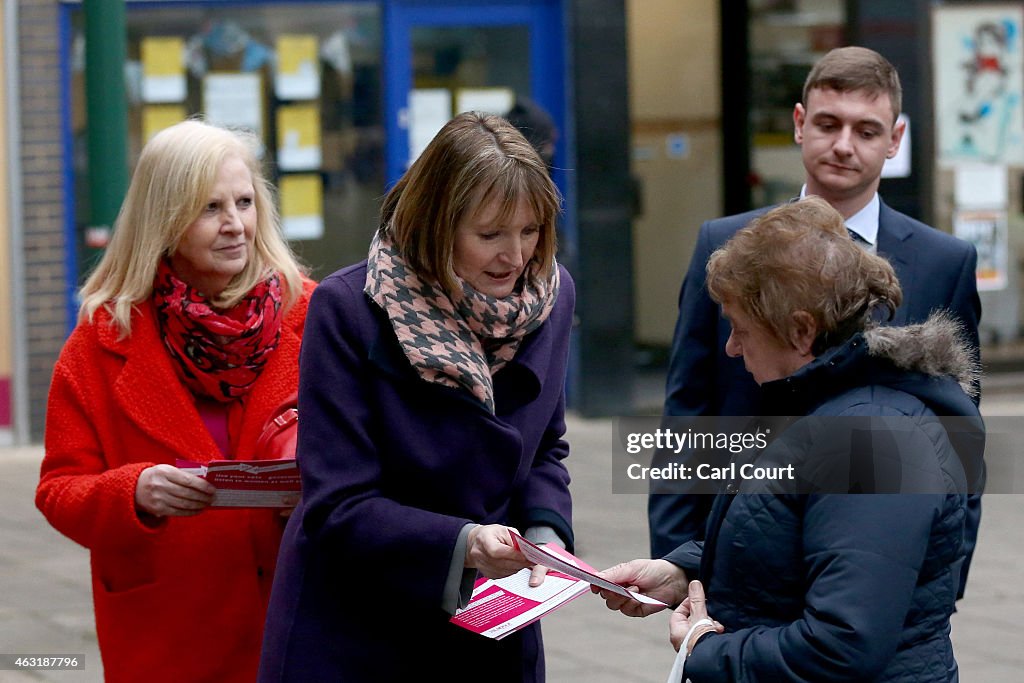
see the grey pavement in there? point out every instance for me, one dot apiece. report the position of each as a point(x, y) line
point(46, 606)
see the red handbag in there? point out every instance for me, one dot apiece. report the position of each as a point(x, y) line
point(280, 433)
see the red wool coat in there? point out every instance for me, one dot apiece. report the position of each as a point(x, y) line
point(186, 600)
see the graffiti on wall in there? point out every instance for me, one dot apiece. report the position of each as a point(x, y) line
point(979, 78)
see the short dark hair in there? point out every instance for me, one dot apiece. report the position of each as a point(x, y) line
point(849, 69)
point(474, 159)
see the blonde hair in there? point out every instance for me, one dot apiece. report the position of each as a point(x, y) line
point(170, 186)
point(799, 257)
point(474, 159)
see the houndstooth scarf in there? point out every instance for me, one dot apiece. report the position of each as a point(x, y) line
point(457, 342)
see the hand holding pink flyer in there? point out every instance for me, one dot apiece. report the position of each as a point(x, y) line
point(249, 483)
point(544, 556)
point(503, 606)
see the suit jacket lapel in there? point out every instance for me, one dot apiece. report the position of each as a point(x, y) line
point(895, 243)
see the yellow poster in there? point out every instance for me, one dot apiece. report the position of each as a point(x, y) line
point(298, 67)
point(298, 137)
point(302, 206)
point(156, 117)
point(163, 69)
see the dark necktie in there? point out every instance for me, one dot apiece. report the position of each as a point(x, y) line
point(858, 239)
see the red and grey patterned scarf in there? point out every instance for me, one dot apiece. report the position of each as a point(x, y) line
point(459, 343)
point(217, 354)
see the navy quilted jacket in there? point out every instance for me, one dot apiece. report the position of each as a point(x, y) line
point(845, 587)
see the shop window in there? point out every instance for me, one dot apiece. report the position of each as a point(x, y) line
point(786, 38)
point(305, 76)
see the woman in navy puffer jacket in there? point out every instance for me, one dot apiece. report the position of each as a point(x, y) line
point(804, 581)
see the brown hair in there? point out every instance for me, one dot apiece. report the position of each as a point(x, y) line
point(851, 69)
point(799, 257)
point(474, 159)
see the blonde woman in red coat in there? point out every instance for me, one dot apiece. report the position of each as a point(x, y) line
point(187, 340)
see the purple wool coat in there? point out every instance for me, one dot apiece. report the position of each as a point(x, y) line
point(392, 469)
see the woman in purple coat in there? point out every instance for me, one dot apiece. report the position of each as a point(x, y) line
point(432, 401)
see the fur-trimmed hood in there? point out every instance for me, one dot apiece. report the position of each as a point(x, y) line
point(931, 361)
point(937, 347)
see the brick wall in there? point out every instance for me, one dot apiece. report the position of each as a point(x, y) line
point(43, 198)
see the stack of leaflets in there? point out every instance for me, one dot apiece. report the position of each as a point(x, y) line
point(503, 606)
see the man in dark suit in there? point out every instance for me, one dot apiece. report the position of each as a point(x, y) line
point(846, 127)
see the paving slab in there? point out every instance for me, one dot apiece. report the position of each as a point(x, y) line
point(45, 602)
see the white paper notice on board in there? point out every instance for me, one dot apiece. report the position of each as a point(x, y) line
point(899, 165)
point(980, 186)
point(488, 100)
point(234, 100)
point(429, 110)
point(986, 230)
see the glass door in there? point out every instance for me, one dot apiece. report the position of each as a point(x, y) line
point(443, 58)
